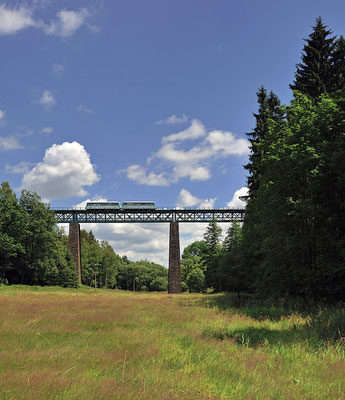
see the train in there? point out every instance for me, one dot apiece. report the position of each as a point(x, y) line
point(116, 205)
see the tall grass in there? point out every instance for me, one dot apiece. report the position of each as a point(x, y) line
point(84, 344)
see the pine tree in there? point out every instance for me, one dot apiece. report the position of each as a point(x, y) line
point(338, 64)
point(314, 75)
point(269, 108)
point(213, 248)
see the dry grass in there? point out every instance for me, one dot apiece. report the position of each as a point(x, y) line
point(80, 344)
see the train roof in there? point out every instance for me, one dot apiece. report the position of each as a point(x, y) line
point(139, 201)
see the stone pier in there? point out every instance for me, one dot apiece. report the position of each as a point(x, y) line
point(74, 246)
point(174, 274)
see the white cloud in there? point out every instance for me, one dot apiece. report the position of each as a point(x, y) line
point(9, 143)
point(173, 120)
point(20, 168)
point(2, 115)
point(194, 172)
point(236, 201)
point(207, 203)
point(15, 19)
point(67, 22)
point(224, 144)
point(138, 174)
point(186, 199)
point(195, 131)
point(193, 163)
point(47, 100)
point(57, 69)
point(47, 130)
point(82, 108)
point(63, 173)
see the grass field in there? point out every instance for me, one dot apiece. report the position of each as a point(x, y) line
point(80, 344)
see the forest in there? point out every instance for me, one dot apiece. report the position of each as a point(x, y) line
point(292, 242)
point(34, 251)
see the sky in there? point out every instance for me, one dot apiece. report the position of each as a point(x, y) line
point(142, 100)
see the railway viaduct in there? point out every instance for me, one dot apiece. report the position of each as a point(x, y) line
point(74, 217)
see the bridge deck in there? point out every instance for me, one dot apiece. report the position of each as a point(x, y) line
point(157, 215)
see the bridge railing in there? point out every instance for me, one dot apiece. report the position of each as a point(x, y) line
point(149, 209)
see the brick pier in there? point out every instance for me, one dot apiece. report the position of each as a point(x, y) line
point(174, 273)
point(74, 246)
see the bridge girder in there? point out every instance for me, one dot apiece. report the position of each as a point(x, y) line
point(148, 216)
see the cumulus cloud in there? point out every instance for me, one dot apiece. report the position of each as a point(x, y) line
point(236, 200)
point(63, 173)
point(138, 174)
point(83, 108)
point(195, 131)
point(66, 23)
point(193, 163)
point(186, 199)
point(9, 143)
point(173, 120)
point(208, 203)
point(15, 19)
point(47, 100)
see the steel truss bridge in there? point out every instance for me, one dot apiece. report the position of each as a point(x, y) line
point(74, 215)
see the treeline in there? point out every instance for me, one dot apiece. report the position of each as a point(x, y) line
point(292, 243)
point(102, 267)
point(214, 264)
point(34, 251)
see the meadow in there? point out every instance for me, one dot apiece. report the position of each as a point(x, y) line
point(66, 344)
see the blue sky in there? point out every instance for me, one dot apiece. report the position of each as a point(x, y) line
point(142, 100)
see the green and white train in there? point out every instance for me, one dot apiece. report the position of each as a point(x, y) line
point(126, 205)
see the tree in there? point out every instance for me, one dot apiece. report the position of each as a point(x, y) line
point(233, 276)
point(338, 64)
point(91, 258)
point(13, 229)
point(109, 266)
point(46, 260)
point(195, 249)
point(211, 256)
point(269, 109)
point(314, 75)
point(142, 275)
point(196, 281)
point(193, 267)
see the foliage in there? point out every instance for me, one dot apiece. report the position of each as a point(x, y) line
point(33, 251)
point(142, 275)
point(314, 76)
point(212, 254)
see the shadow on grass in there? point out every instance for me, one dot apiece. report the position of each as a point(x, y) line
point(247, 306)
point(254, 336)
point(322, 325)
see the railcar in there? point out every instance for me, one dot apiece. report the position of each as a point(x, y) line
point(139, 205)
point(104, 205)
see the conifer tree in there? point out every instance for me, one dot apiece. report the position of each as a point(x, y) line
point(213, 248)
point(338, 64)
point(269, 108)
point(314, 74)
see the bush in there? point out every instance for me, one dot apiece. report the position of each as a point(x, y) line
point(159, 284)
